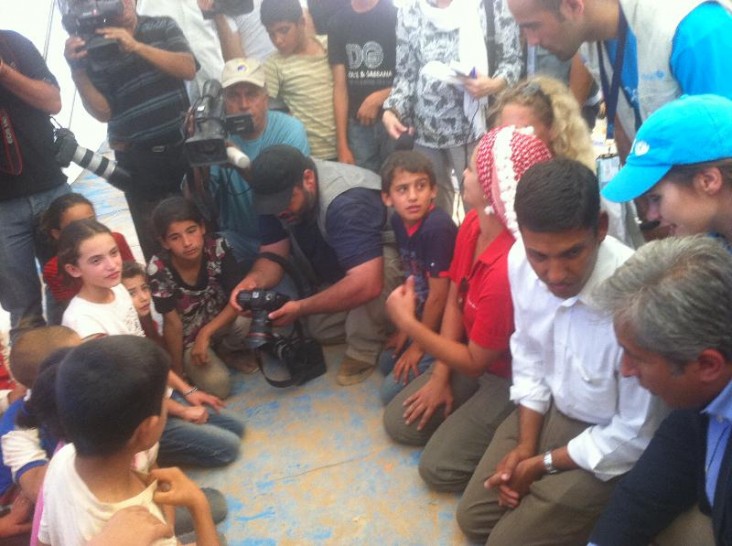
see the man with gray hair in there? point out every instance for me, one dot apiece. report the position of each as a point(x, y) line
point(672, 309)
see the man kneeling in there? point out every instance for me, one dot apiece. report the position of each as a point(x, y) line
point(552, 464)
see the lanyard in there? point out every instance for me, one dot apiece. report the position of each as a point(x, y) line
point(611, 92)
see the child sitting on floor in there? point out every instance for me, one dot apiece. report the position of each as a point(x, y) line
point(109, 397)
point(25, 452)
point(191, 283)
point(63, 210)
point(197, 435)
point(134, 280)
point(426, 239)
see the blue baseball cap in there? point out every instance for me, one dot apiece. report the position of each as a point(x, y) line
point(691, 129)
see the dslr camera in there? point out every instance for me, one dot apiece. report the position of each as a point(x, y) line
point(68, 150)
point(83, 18)
point(261, 303)
point(207, 145)
point(302, 356)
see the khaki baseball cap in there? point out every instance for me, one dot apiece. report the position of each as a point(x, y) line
point(243, 71)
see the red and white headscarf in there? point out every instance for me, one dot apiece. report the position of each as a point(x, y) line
point(504, 155)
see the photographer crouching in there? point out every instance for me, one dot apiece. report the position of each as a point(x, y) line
point(331, 218)
point(130, 72)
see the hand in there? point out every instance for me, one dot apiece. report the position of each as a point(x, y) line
point(201, 398)
point(401, 305)
point(199, 351)
point(287, 314)
point(425, 401)
point(525, 473)
point(195, 414)
point(247, 283)
point(122, 36)
point(75, 52)
point(205, 5)
point(176, 489)
point(505, 469)
point(369, 110)
point(132, 526)
point(396, 341)
point(18, 520)
point(393, 125)
point(345, 155)
point(408, 361)
point(482, 85)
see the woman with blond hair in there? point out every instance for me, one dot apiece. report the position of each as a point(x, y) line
point(551, 109)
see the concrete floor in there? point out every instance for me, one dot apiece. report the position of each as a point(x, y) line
point(316, 465)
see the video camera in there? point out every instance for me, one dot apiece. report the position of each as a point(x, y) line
point(302, 356)
point(232, 8)
point(68, 150)
point(83, 18)
point(211, 125)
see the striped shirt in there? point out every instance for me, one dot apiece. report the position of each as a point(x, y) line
point(147, 104)
point(305, 84)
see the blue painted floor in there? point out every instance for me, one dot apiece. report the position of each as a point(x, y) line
point(316, 466)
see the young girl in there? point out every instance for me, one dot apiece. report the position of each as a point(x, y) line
point(191, 283)
point(103, 306)
point(61, 212)
point(134, 280)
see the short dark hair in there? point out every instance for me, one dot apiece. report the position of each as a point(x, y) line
point(558, 195)
point(276, 11)
point(132, 269)
point(106, 387)
point(409, 161)
point(174, 209)
point(51, 219)
point(684, 174)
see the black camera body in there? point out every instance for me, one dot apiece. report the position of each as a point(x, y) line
point(261, 303)
point(83, 18)
point(211, 125)
point(232, 8)
point(303, 357)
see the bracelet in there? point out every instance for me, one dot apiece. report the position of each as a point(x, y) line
point(549, 463)
point(190, 392)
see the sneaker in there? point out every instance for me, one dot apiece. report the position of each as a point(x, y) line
point(353, 371)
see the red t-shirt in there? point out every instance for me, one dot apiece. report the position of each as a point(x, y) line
point(64, 288)
point(484, 291)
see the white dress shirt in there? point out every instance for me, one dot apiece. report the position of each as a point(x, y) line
point(565, 352)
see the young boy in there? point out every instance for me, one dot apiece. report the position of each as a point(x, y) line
point(110, 395)
point(25, 453)
point(426, 239)
point(299, 73)
point(362, 55)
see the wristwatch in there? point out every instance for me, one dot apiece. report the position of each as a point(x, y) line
point(549, 463)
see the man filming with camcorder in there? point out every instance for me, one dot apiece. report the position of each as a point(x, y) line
point(251, 127)
point(134, 81)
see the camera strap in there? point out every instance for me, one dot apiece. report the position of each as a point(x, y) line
point(308, 349)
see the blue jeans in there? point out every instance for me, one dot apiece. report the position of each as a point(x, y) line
point(369, 143)
point(215, 443)
point(21, 243)
point(391, 387)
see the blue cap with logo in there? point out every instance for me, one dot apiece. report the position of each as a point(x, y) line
point(691, 129)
